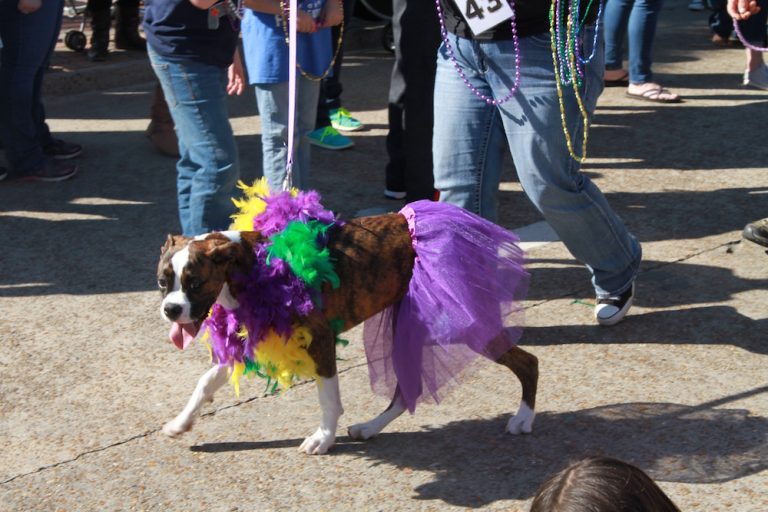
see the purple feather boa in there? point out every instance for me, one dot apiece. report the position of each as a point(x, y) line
point(283, 208)
point(271, 296)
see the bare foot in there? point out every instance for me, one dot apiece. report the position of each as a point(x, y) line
point(651, 91)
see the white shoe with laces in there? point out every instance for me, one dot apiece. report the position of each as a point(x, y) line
point(612, 310)
point(757, 78)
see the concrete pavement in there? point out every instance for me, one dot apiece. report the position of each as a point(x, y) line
point(680, 388)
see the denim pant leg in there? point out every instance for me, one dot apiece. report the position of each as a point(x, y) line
point(272, 101)
point(639, 18)
point(468, 142)
point(29, 40)
point(569, 201)
point(208, 169)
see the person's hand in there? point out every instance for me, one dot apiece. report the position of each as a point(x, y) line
point(236, 76)
point(742, 9)
point(28, 6)
point(306, 23)
point(333, 13)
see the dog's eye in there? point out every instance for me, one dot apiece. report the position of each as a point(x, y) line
point(193, 284)
point(162, 283)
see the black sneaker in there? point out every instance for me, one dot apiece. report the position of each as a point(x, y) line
point(50, 171)
point(61, 150)
point(612, 310)
point(757, 232)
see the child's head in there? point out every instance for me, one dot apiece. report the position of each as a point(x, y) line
point(601, 484)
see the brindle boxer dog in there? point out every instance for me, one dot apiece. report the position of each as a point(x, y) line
point(374, 260)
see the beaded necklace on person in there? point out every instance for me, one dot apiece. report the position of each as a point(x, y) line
point(564, 48)
point(744, 41)
point(452, 56)
point(284, 14)
point(569, 66)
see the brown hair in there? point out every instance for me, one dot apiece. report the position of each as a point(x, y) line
point(601, 484)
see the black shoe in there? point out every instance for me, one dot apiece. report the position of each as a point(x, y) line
point(61, 150)
point(51, 171)
point(757, 232)
point(612, 310)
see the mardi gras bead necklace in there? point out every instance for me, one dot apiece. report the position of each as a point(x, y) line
point(571, 63)
point(744, 41)
point(452, 56)
point(563, 48)
point(285, 14)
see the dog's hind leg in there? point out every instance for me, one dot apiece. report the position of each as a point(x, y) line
point(208, 384)
point(363, 431)
point(526, 367)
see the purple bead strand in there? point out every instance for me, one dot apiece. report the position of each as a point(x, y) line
point(452, 56)
point(746, 43)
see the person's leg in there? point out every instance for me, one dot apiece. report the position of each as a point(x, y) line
point(331, 87)
point(419, 40)
point(306, 110)
point(208, 169)
point(127, 26)
point(720, 22)
point(101, 19)
point(642, 32)
point(616, 17)
point(468, 141)
point(569, 201)
point(28, 41)
point(394, 187)
point(409, 141)
point(272, 100)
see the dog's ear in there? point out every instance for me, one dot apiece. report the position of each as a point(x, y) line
point(168, 244)
point(224, 250)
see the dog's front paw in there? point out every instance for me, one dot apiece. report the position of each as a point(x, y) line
point(176, 427)
point(362, 431)
point(318, 443)
point(522, 422)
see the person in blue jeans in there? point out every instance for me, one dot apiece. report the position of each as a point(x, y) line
point(266, 58)
point(191, 61)
point(637, 19)
point(471, 135)
point(29, 30)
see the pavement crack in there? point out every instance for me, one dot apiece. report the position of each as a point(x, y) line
point(156, 430)
point(79, 456)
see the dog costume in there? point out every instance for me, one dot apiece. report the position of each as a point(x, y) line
point(463, 298)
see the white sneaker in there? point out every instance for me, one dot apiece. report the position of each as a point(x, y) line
point(612, 310)
point(696, 5)
point(757, 78)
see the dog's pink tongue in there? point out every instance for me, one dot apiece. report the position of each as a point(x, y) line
point(182, 334)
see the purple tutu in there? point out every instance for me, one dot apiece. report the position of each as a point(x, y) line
point(463, 301)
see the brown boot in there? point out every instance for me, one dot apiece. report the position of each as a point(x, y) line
point(161, 130)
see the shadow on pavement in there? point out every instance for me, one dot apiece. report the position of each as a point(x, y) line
point(474, 464)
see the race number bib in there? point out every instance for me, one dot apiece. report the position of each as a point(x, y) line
point(482, 15)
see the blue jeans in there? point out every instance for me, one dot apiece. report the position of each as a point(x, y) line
point(471, 136)
point(640, 17)
point(29, 40)
point(208, 169)
point(272, 101)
